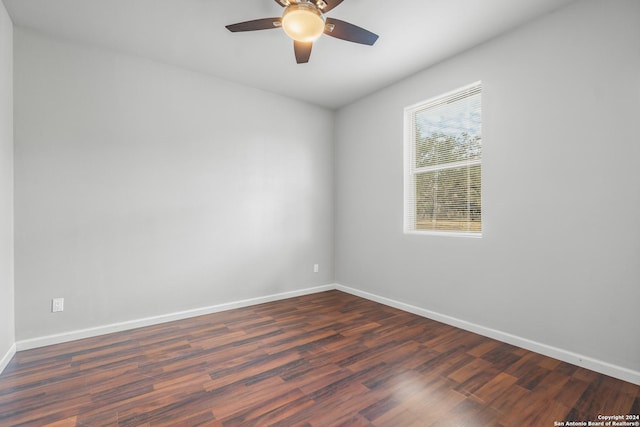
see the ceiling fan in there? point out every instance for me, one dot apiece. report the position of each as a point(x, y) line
point(304, 22)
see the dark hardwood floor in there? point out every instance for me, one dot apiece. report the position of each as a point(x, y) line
point(328, 359)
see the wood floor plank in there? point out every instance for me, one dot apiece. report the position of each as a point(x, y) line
point(327, 359)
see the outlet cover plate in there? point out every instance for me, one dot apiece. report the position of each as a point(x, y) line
point(57, 304)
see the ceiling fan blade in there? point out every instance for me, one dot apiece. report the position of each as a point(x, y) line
point(283, 3)
point(303, 51)
point(349, 32)
point(330, 5)
point(256, 24)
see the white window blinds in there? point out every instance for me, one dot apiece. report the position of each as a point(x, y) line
point(443, 160)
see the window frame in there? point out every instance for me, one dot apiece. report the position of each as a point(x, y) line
point(411, 171)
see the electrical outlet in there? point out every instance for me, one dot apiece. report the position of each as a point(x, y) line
point(57, 304)
point(315, 268)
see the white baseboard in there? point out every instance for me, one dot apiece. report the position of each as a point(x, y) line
point(600, 366)
point(148, 321)
point(606, 368)
point(7, 357)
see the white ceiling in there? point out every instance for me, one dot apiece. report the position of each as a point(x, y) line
point(414, 34)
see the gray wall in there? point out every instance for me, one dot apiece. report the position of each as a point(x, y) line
point(142, 189)
point(7, 337)
point(559, 262)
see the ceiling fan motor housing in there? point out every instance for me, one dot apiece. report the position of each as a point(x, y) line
point(320, 4)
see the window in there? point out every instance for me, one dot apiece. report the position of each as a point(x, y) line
point(443, 160)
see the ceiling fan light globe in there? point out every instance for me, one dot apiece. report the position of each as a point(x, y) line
point(303, 22)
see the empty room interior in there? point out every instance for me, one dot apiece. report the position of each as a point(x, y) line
point(421, 213)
